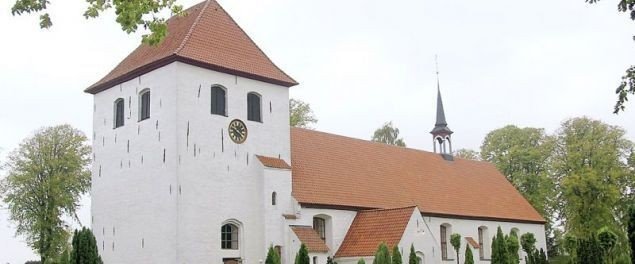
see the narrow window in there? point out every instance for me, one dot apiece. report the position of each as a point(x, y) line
point(229, 236)
point(482, 240)
point(253, 107)
point(144, 105)
point(319, 225)
point(315, 260)
point(219, 100)
point(273, 198)
point(119, 108)
point(444, 242)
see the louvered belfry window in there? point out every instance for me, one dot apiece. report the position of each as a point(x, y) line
point(253, 107)
point(218, 101)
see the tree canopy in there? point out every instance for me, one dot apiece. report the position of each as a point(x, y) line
point(388, 134)
point(46, 175)
point(130, 14)
point(300, 114)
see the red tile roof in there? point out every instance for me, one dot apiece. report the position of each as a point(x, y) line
point(310, 238)
point(472, 242)
point(372, 227)
point(336, 171)
point(273, 162)
point(206, 37)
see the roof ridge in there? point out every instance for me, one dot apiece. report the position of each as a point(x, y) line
point(189, 32)
point(257, 46)
point(388, 209)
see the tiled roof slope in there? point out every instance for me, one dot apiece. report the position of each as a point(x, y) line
point(273, 162)
point(372, 227)
point(332, 170)
point(206, 37)
point(310, 238)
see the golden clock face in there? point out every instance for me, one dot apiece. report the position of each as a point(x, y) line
point(237, 131)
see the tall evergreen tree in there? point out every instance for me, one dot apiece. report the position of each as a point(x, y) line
point(303, 255)
point(412, 258)
point(84, 248)
point(382, 256)
point(499, 248)
point(396, 255)
point(469, 257)
point(512, 248)
point(272, 256)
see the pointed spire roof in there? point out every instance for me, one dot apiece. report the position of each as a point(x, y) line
point(440, 126)
point(206, 37)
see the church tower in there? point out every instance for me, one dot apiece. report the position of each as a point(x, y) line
point(441, 133)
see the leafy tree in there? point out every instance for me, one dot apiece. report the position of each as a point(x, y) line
point(469, 257)
point(388, 134)
point(412, 258)
point(513, 246)
point(631, 231)
point(499, 248)
point(528, 242)
point(46, 176)
point(592, 174)
point(84, 248)
point(303, 255)
point(467, 154)
point(455, 241)
point(131, 14)
point(396, 255)
point(65, 258)
point(272, 256)
point(607, 240)
point(330, 260)
point(300, 114)
point(589, 251)
point(523, 155)
point(361, 261)
point(382, 256)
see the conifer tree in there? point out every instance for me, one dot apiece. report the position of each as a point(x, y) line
point(361, 261)
point(412, 259)
point(84, 248)
point(499, 248)
point(272, 256)
point(303, 255)
point(512, 248)
point(469, 257)
point(396, 255)
point(382, 256)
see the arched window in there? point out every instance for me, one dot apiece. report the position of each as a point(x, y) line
point(483, 240)
point(444, 233)
point(274, 197)
point(219, 100)
point(319, 225)
point(229, 236)
point(144, 104)
point(118, 115)
point(253, 107)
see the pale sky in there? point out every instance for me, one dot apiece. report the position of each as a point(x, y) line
point(359, 63)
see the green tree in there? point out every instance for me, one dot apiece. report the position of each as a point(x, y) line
point(330, 260)
point(593, 177)
point(523, 155)
point(607, 240)
point(589, 250)
point(499, 248)
point(467, 154)
point(361, 261)
point(528, 243)
point(131, 14)
point(412, 258)
point(396, 255)
point(382, 255)
point(303, 255)
point(513, 246)
point(300, 114)
point(388, 134)
point(455, 241)
point(469, 257)
point(84, 248)
point(631, 231)
point(46, 175)
point(272, 256)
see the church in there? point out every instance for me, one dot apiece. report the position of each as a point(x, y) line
point(195, 162)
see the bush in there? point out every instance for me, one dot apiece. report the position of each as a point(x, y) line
point(303, 255)
point(272, 256)
point(361, 261)
point(412, 259)
point(396, 255)
point(511, 242)
point(469, 258)
point(84, 248)
point(382, 256)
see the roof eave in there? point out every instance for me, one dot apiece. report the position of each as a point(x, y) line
point(99, 87)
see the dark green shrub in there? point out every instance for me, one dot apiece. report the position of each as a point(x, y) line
point(303, 255)
point(396, 255)
point(469, 258)
point(272, 256)
point(84, 248)
point(412, 258)
point(382, 256)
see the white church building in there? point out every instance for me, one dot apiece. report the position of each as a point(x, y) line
point(195, 162)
